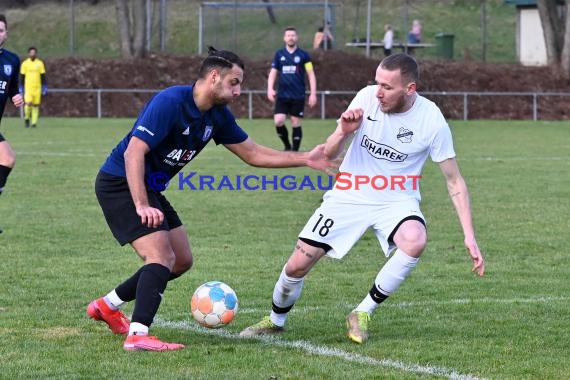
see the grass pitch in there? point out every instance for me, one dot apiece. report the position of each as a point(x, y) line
point(58, 254)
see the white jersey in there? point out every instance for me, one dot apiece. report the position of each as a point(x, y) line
point(385, 159)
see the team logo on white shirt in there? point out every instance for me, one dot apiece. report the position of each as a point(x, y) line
point(404, 135)
point(382, 151)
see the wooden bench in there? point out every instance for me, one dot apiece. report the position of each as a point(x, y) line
point(404, 46)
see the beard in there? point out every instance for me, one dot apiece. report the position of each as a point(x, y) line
point(221, 101)
point(397, 106)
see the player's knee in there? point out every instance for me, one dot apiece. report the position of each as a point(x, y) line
point(411, 238)
point(297, 269)
point(183, 264)
point(167, 259)
point(279, 119)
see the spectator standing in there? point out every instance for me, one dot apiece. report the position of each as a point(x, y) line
point(415, 34)
point(323, 36)
point(388, 39)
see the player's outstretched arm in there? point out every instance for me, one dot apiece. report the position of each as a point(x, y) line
point(459, 194)
point(261, 156)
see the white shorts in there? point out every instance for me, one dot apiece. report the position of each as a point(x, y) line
point(341, 225)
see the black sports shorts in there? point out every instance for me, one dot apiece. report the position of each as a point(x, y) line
point(293, 107)
point(2, 138)
point(120, 212)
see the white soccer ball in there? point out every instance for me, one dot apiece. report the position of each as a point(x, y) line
point(214, 304)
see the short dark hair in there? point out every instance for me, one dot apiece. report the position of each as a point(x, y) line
point(290, 29)
point(407, 65)
point(3, 19)
point(222, 59)
point(32, 48)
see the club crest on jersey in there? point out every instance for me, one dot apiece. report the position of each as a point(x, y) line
point(382, 151)
point(297, 59)
point(207, 133)
point(405, 135)
point(8, 69)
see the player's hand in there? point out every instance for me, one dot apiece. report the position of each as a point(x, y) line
point(476, 256)
point(150, 216)
point(320, 161)
point(18, 100)
point(44, 90)
point(312, 100)
point(271, 94)
point(350, 120)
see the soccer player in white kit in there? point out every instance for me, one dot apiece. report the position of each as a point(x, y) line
point(393, 131)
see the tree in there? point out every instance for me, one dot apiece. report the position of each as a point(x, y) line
point(132, 31)
point(555, 20)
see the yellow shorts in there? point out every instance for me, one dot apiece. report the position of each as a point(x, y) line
point(33, 97)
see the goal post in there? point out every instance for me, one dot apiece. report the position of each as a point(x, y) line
point(256, 29)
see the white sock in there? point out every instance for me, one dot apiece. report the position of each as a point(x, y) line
point(113, 301)
point(390, 277)
point(136, 328)
point(286, 292)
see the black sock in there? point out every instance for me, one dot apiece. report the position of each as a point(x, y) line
point(127, 291)
point(150, 288)
point(297, 137)
point(4, 173)
point(284, 136)
point(377, 295)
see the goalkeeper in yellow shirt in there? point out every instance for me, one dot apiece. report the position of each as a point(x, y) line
point(33, 85)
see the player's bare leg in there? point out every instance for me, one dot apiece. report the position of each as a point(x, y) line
point(287, 289)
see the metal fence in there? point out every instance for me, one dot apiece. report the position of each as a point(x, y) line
point(252, 104)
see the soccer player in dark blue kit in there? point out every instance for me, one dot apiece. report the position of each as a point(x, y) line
point(170, 131)
point(9, 71)
point(290, 64)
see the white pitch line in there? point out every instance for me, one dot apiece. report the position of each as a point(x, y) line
point(82, 153)
point(423, 304)
point(63, 154)
point(324, 351)
point(527, 158)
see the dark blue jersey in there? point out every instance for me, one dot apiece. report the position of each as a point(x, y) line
point(9, 71)
point(176, 131)
point(291, 67)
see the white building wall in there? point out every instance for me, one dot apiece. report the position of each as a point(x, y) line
point(532, 48)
